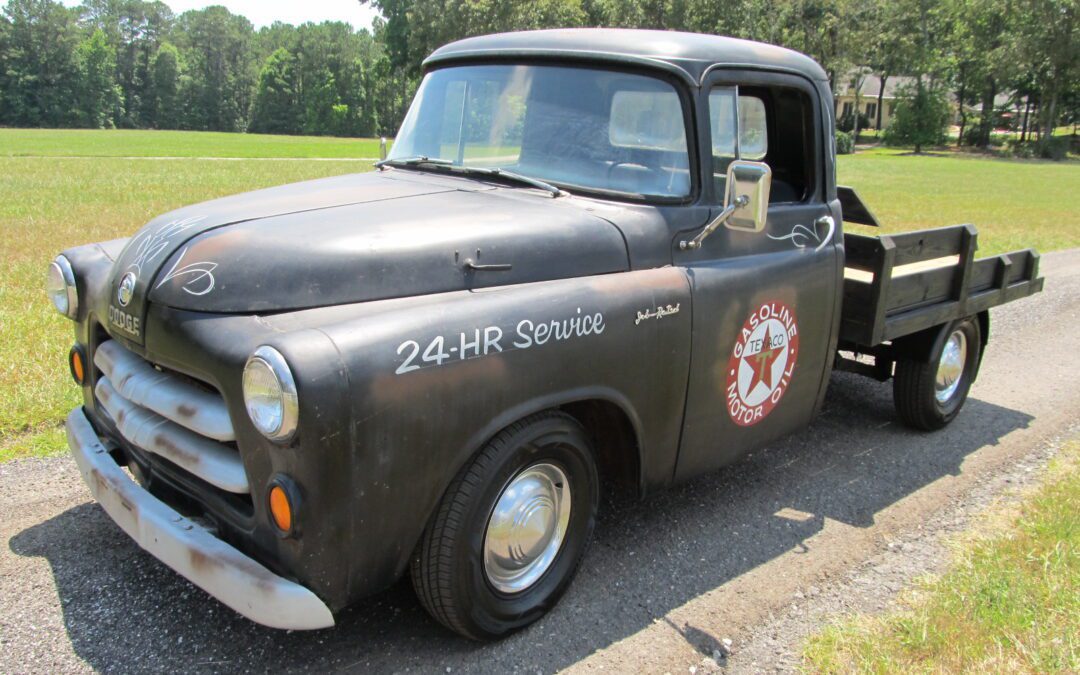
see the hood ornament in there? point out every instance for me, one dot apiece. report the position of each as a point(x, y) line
point(126, 289)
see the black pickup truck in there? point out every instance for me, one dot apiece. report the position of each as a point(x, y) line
point(593, 259)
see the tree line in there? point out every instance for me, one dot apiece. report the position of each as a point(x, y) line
point(134, 64)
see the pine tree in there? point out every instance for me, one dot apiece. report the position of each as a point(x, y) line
point(277, 101)
point(165, 76)
point(97, 97)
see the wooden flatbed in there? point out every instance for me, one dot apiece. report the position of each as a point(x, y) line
point(900, 284)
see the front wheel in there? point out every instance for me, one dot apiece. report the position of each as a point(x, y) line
point(929, 394)
point(511, 529)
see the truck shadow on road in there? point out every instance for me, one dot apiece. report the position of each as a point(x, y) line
point(125, 611)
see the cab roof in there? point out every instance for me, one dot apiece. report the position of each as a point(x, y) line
point(687, 55)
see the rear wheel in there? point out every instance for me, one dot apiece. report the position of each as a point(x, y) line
point(511, 529)
point(929, 394)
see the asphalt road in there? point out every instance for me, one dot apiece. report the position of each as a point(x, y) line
point(666, 581)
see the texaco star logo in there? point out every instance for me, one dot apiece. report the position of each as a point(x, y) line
point(761, 363)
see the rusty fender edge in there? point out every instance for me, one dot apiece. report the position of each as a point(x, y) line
point(209, 563)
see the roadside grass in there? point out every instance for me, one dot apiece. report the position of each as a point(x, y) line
point(48, 204)
point(149, 143)
point(1009, 603)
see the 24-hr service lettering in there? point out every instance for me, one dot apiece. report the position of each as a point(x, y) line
point(490, 340)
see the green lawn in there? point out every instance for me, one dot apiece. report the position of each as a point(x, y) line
point(1010, 603)
point(1014, 203)
point(49, 202)
point(141, 143)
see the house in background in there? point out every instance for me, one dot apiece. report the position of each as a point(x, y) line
point(868, 100)
point(868, 97)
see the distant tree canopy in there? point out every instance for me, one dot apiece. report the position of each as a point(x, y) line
point(134, 64)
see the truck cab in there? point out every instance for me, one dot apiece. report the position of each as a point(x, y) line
point(593, 259)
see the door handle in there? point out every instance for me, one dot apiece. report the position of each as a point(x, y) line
point(500, 267)
point(831, 223)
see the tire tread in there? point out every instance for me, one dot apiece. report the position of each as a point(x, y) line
point(431, 567)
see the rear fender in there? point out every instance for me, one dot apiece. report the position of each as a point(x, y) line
point(923, 345)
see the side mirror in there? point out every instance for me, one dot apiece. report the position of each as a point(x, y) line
point(746, 202)
point(751, 180)
point(382, 148)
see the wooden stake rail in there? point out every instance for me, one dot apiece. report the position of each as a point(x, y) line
point(901, 302)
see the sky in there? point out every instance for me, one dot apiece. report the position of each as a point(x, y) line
point(265, 12)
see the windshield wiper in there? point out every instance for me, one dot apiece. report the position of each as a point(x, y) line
point(413, 161)
point(420, 160)
point(510, 175)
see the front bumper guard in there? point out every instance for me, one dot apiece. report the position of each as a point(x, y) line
point(190, 549)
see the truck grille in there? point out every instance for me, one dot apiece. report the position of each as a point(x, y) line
point(164, 414)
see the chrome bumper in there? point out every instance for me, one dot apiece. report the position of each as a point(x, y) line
point(208, 562)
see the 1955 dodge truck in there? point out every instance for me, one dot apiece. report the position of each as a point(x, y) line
point(592, 259)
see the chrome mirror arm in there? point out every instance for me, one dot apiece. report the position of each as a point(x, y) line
point(695, 243)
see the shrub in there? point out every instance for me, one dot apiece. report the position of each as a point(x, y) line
point(1025, 150)
point(921, 118)
point(847, 122)
point(1055, 148)
point(845, 143)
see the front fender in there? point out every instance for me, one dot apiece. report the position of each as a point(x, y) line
point(431, 379)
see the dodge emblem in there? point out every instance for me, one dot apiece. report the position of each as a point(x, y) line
point(126, 289)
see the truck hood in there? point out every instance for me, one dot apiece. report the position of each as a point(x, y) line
point(356, 238)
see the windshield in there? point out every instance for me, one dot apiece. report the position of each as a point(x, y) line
point(576, 127)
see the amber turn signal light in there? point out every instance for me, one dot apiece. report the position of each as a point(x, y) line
point(76, 362)
point(281, 509)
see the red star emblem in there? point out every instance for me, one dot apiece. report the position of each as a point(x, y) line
point(764, 359)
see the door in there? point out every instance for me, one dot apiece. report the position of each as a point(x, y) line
point(763, 302)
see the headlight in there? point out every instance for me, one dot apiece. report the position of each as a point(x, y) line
point(270, 394)
point(60, 285)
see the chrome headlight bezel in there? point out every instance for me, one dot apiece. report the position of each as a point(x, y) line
point(60, 287)
point(278, 423)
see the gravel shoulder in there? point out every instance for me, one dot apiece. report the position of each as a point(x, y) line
point(837, 518)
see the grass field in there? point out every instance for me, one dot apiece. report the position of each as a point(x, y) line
point(125, 143)
point(1014, 203)
point(1010, 603)
point(63, 188)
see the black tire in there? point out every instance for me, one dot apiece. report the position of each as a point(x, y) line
point(915, 391)
point(448, 568)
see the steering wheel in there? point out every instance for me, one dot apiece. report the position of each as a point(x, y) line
point(611, 169)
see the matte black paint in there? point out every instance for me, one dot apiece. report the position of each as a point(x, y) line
point(337, 274)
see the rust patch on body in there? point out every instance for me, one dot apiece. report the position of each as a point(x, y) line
point(163, 442)
point(186, 411)
point(209, 562)
point(203, 562)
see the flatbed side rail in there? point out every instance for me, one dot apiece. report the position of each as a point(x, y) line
point(900, 284)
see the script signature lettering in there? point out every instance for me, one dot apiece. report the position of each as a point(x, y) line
point(658, 313)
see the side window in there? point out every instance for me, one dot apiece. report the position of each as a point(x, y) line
point(774, 125)
point(752, 130)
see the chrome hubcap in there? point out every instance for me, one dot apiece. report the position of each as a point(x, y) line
point(951, 366)
point(527, 527)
